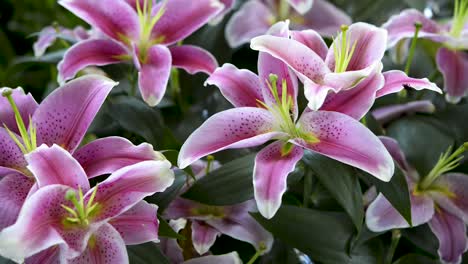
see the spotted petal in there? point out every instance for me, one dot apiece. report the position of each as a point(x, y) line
point(345, 139)
point(65, 115)
point(454, 66)
point(11, 157)
point(14, 189)
point(26, 106)
point(106, 155)
point(234, 128)
point(269, 176)
point(312, 40)
point(193, 59)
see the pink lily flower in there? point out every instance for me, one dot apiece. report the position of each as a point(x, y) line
point(174, 252)
point(266, 109)
point(451, 60)
point(49, 35)
point(350, 69)
point(63, 119)
point(68, 221)
point(438, 199)
point(255, 17)
point(142, 33)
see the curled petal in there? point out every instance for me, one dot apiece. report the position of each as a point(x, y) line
point(138, 225)
point(396, 81)
point(14, 189)
point(239, 87)
point(26, 107)
point(230, 258)
point(387, 114)
point(397, 154)
point(128, 186)
point(301, 6)
point(104, 246)
point(106, 155)
point(193, 59)
point(451, 233)
point(382, 216)
point(312, 40)
point(269, 177)
point(65, 115)
point(55, 165)
point(11, 156)
point(316, 94)
point(343, 138)
point(183, 17)
point(203, 236)
point(154, 74)
point(46, 38)
point(457, 203)
point(234, 128)
point(92, 52)
point(251, 20)
point(402, 26)
point(355, 102)
point(325, 18)
point(117, 22)
point(454, 66)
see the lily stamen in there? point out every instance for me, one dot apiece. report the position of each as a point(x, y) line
point(343, 54)
point(82, 212)
point(460, 17)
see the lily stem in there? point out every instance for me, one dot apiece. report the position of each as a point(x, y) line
point(254, 257)
point(396, 235)
point(417, 27)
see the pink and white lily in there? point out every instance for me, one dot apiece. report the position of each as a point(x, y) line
point(347, 76)
point(63, 119)
point(438, 199)
point(49, 35)
point(67, 221)
point(266, 109)
point(451, 59)
point(255, 17)
point(143, 33)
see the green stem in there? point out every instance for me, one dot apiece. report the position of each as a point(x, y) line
point(255, 257)
point(396, 235)
point(176, 91)
point(417, 27)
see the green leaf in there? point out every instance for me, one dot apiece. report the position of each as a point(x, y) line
point(280, 253)
point(137, 117)
point(324, 236)
point(165, 230)
point(228, 185)
point(341, 181)
point(396, 191)
point(423, 238)
point(371, 252)
point(416, 259)
point(146, 254)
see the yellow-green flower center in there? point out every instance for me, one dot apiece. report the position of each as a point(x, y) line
point(460, 17)
point(82, 212)
point(208, 210)
point(344, 52)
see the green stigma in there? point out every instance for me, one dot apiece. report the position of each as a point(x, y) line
point(82, 212)
point(29, 138)
point(460, 17)
point(282, 112)
point(344, 53)
point(447, 162)
point(147, 23)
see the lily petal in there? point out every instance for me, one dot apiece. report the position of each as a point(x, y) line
point(117, 22)
point(396, 152)
point(451, 233)
point(316, 94)
point(396, 81)
point(387, 114)
point(312, 40)
point(402, 26)
point(139, 224)
point(106, 155)
point(11, 156)
point(454, 66)
point(301, 6)
point(49, 256)
point(128, 186)
point(14, 189)
point(203, 236)
point(239, 87)
point(55, 165)
point(92, 52)
point(253, 19)
point(26, 107)
point(183, 17)
point(269, 176)
point(65, 115)
point(230, 258)
point(325, 18)
point(457, 203)
point(104, 246)
point(154, 74)
point(355, 102)
point(228, 5)
point(193, 59)
point(345, 139)
point(234, 128)
point(382, 216)
point(46, 38)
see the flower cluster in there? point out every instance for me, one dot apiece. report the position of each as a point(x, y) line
point(80, 184)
